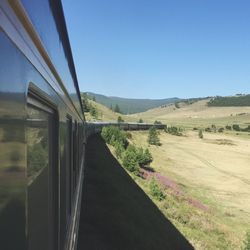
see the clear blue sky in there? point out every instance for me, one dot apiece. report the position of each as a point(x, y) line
point(160, 48)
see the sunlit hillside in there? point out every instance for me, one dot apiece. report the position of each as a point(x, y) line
point(197, 113)
point(105, 114)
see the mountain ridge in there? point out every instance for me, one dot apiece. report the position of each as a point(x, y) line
point(130, 105)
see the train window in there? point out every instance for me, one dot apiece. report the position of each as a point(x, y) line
point(41, 175)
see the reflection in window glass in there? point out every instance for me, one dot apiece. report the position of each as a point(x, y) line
point(38, 179)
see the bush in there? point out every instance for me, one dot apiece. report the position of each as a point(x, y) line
point(236, 127)
point(128, 135)
point(208, 129)
point(213, 128)
point(153, 138)
point(130, 160)
point(140, 121)
point(144, 158)
point(220, 130)
point(195, 128)
point(247, 129)
point(113, 134)
point(246, 242)
point(119, 149)
point(228, 127)
point(93, 111)
point(200, 134)
point(176, 104)
point(156, 191)
point(157, 122)
point(119, 119)
point(173, 131)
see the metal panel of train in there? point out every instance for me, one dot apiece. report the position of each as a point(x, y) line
point(96, 127)
point(41, 129)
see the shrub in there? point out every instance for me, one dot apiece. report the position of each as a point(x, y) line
point(140, 121)
point(119, 119)
point(113, 134)
point(208, 129)
point(176, 104)
point(213, 128)
point(173, 131)
point(144, 158)
point(195, 128)
point(236, 127)
point(130, 160)
point(128, 135)
point(117, 109)
point(247, 129)
point(156, 191)
point(153, 138)
point(93, 111)
point(157, 122)
point(228, 127)
point(220, 130)
point(119, 149)
point(246, 242)
point(200, 134)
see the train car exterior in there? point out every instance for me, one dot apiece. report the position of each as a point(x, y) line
point(96, 127)
point(41, 129)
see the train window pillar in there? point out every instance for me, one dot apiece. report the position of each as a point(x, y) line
point(69, 163)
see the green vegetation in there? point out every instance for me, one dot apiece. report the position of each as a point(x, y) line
point(200, 134)
point(117, 109)
point(237, 127)
point(210, 212)
point(177, 105)
point(114, 135)
point(144, 157)
point(157, 122)
point(140, 121)
point(221, 130)
point(153, 138)
point(130, 160)
point(129, 106)
point(119, 119)
point(173, 130)
point(118, 213)
point(132, 157)
point(229, 101)
point(90, 107)
point(156, 191)
point(246, 243)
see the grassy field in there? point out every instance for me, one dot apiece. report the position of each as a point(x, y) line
point(105, 114)
point(196, 114)
point(213, 172)
point(208, 180)
point(116, 213)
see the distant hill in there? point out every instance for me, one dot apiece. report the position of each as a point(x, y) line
point(230, 101)
point(131, 106)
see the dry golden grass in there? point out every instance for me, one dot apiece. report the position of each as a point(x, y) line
point(217, 173)
point(214, 170)
point(197, 113)
point(105, 114)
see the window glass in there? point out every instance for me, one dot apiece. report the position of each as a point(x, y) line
point(39, 184)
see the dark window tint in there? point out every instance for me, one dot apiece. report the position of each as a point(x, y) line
point(39, 173)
